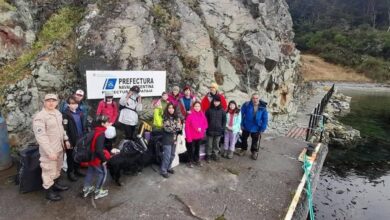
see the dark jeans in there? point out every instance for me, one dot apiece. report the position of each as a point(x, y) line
point(72, 166)
point(129, 131)
point(100, 172)
point(193, 150)
point(256, 137)
point(168, 156)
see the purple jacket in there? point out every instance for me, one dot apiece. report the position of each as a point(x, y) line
point(194, 121)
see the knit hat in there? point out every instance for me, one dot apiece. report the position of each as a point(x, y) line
point(217, 98)
point(110, 132)
point(108, 94)
point(176, 88)
point(186, 87)
point(214, 85)
point(135, 89)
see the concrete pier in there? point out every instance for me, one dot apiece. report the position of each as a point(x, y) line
point(240, 188)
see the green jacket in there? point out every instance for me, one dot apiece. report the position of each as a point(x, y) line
point(158, 117)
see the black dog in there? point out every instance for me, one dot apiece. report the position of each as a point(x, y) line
point(128, 160)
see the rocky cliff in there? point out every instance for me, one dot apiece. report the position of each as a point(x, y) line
point(245, 46)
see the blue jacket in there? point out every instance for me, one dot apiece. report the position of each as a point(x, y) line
point(251, 123)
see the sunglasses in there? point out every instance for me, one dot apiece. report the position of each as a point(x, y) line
point(79, 95)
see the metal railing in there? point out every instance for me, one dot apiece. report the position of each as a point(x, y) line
point(316, 117)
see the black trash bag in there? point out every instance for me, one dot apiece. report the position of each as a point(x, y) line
point(29, 175)
point(155, 149)
point(239, 141)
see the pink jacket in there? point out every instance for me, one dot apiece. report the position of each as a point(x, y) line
point(194, 121)
point(110, 110)
point(174, 100)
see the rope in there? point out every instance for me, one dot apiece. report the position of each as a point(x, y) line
point(306, 167)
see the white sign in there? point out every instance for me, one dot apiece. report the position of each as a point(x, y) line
point(151, 83)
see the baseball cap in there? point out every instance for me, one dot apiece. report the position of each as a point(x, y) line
point(51, 96)
point(79, 92)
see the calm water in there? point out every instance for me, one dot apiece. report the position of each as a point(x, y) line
point(355, 183)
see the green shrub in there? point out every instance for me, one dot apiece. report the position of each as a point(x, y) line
point(364, 49)
point(375, 68)
point(5, 6)
point(57, 28)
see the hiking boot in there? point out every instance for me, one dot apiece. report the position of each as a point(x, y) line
point(225, 154)
point(230, 154)
point(216, 158)
point(242, 152)
point(171, 171)
point(52, 195)
point(59, 187)
point(88, 190)
point(207, 159)
point(72, 177)
point(198, 163)
point(165, 175)
point(100, 193)
point(254, 155)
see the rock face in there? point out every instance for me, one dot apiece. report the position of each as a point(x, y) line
point(336, 133)
point(16, 30)
point(245, 46)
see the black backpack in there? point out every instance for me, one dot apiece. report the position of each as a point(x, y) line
point(82, 151)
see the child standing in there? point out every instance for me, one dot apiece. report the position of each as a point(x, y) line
point(216, 119)
point(233, 126)
point(158, 111)
point(195, 128)
point(131, 105)
point(97, 166)
point(108, 107)
point(73, 125)
point(171, 126)
point(174, 96)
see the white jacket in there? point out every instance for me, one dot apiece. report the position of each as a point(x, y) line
point(129, 115)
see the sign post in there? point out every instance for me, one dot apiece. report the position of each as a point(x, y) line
point(151, 83)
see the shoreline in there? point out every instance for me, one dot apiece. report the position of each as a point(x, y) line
point(374, 87)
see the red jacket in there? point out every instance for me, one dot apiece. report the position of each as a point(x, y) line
point(206, 102)
point(97, 147)
point(110, 110)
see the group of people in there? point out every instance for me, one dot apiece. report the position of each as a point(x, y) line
point(210, 118)
point(176, 112)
